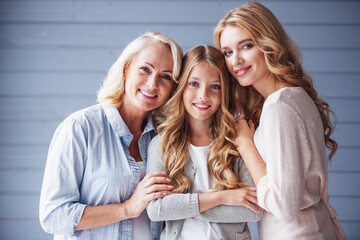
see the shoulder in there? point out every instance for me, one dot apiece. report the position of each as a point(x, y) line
point(290, 98)
point(289, 104)
point(81, 121)
point(85, 115)
point(154, 146)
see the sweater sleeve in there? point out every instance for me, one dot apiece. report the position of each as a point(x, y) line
point(174, 206)
point(234, 214)
point(286, 149)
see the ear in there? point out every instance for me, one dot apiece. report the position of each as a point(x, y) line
point(125, 71)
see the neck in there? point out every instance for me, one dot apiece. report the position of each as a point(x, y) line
point(269, 85)
point(199, 132)
point(132, 118)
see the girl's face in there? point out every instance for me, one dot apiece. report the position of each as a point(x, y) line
point(244, 59)
point(202, 95)
point(148, 78)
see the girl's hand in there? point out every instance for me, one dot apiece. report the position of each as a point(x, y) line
point(245, 134)
point(245, 196)
point(154, 185)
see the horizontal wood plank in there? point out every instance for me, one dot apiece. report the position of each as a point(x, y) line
point(187, 35)
point(29, 229)
point(29, 181)
point(344, 184)
point(59, 83)
point(101, 59)
point(34, 157)
point(122, 11)
point(59, 107)
point(40, 132)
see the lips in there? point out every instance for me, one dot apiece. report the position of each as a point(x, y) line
point(202, 106)
point(242, 71)
point(147, 93)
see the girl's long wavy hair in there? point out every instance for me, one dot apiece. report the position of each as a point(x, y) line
point(113, 89)
point(283, 59)
point(175, 130)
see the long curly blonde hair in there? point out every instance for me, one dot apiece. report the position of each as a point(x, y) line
point(175, 130)
point(283, 59)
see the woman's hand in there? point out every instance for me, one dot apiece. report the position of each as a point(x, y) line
point(245, 134)
point(245, 196)
point(154, 185)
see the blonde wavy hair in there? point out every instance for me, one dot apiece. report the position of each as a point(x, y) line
point(113, 89)
point(175, 130)
point(283, 59)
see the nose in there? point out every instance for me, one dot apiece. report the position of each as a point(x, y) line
point(152, 81)
point(203, 93)
point(237, 59)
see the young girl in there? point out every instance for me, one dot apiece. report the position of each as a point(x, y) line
point(287, 155)
point(213, 197)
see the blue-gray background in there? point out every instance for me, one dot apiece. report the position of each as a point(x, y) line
point(54, 55)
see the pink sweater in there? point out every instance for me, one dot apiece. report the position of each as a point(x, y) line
point(294, 193)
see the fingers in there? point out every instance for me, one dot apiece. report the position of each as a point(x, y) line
point(251, 207)
point(158, 188)
point(155, 195)
point(154, 174)
point(156, 180)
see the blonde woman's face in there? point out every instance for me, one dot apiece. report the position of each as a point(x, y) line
point(148, 78)
point(244, 59)
point(202, 94)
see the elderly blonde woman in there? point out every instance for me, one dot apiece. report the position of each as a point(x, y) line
point(94, 184)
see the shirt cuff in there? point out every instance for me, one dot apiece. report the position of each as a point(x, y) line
point(262, 189)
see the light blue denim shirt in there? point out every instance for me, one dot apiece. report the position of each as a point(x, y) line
point(89, 163)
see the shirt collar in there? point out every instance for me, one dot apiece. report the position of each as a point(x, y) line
point(118, 124)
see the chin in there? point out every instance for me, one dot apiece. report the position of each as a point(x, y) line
point(244, 83)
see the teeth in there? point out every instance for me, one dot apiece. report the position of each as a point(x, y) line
point(241, 72)
point(147, 94)
point(202, 106)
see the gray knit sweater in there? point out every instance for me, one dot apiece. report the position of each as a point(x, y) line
point(229, 221)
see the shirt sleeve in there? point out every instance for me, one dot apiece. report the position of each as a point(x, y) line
point(286, 149)
point(234, 214)
point(60, 210)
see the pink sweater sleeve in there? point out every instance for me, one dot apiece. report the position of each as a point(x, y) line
point(283, 144)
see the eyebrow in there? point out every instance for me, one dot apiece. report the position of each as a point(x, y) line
point(169, 71)
point(241, 42)
point(199, 79)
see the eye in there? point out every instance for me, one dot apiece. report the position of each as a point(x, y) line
point(193, 84)
point(216, 86)
point(145, 69)
point(166, 77)
point(248, 46)
point(227, 53)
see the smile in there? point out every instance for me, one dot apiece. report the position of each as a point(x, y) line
point(242, 71)
point(147, 94)
point(202, 106)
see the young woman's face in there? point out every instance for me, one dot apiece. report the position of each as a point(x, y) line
point(244, 59)
point(148, 78)
point(202, 94)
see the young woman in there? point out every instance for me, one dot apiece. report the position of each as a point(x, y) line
point(286, 155)
point(94, 185)
point(213, 196)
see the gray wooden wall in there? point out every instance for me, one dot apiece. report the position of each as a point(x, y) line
point(54, 55)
